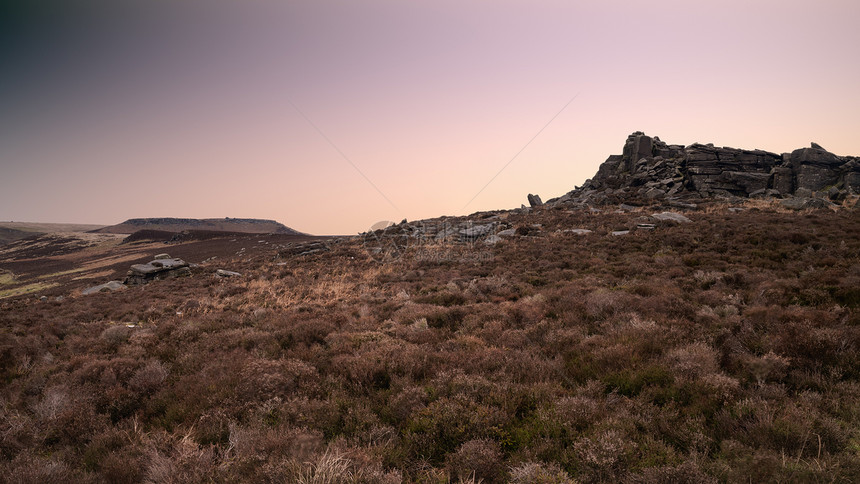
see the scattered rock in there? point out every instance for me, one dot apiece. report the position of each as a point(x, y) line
point(478, 231)
point(680, 204)
point(803, 203)
point(671, 217)
point(620, 232)
point(106, 287)
point(308, 248)
point(578, 231)
point(492, 240)
point(223, 273)
point(162, 256)
point(507, 233)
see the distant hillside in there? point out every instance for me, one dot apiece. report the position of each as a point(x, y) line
point(12, 231)
point(167, 224)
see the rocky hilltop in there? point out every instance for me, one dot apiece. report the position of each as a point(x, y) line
point(227, 224)
point(650, 170)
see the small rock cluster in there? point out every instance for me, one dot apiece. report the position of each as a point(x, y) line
point(448, 230)
point(650, 170)
point(162, 267)
point(306, 248)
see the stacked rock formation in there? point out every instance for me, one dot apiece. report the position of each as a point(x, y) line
point(163, 267)
point(649, 169)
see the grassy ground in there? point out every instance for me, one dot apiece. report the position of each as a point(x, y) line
point(722, 350)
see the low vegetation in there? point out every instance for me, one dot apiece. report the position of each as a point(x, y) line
point(722, 350)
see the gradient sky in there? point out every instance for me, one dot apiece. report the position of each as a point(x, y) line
point(113, 110)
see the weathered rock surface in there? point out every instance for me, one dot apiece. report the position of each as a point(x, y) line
point(157, 269)
point(476, 232)
point(106, 287)
point(650, 170)
point(671, 217)
point(225, 273)
point(534, 200)
point(802, 203)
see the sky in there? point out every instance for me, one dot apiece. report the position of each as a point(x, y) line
point(329, 116)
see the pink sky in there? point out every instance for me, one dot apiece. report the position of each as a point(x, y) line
point(184, 109)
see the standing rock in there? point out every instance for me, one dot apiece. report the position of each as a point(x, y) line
point(637, 146)
point(534, 200)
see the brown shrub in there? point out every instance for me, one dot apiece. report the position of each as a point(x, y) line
point(477, 459)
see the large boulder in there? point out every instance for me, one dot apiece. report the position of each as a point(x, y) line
point(534, 200)
point(814, 155)
point(156, 269)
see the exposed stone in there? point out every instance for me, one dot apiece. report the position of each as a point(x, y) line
point(803, 193)
point(507, 233)
point(578, 231)
point(492, 240)
point(803, 203)
point(157, 269)
point(638, 146)
point(782, 179)
point(106, 287)
point(650, 169)
point(679, 204)
point(477, 231)
point(534, 200)
point(620, 232)
point(671, 217)
point(815, 177)
point(223, 273)
point(308, 248)
point(162, 256)
point(815, 155)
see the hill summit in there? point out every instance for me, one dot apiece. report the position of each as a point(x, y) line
point(227, 224)
point(650, 170)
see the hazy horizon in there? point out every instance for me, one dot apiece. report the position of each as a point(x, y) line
point(329, 116)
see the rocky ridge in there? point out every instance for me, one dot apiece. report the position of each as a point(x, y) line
point(650, 170)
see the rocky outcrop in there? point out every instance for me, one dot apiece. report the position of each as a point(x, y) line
point(649, 169)
point(163, 268)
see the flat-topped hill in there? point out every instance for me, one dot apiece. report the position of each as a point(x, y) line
point(227, 224)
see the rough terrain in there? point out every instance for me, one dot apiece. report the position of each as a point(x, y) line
point(710, 333)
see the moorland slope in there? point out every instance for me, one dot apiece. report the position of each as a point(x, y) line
point(662, 340)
